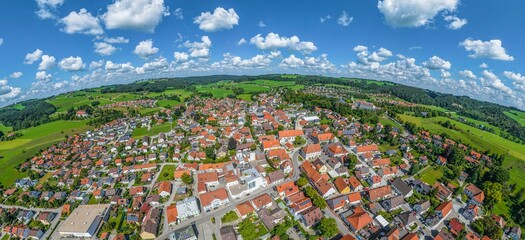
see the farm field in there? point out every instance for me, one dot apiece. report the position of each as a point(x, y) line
point(34, 139)
point(518, 116)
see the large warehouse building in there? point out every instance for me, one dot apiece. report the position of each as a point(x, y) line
point(85, 220)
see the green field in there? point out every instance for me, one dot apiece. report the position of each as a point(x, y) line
point(138, 133)
point(168, 169)
point(5, 129)
point(34, 139)
point(481, 140)
point(517, 116)
point(431, 175)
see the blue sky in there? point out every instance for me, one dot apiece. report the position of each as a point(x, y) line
point(463, 47)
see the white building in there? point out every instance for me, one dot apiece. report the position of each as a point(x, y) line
point(187, 208)
point(85, 221)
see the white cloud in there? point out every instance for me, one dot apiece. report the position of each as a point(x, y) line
point(118, 67)
point(71, 64)
point(104, 49)
point(47, 8)
point(413, 13)
point(516, 77)
point(235, 62)
point(360, 48)
point(181, 56)
point(455, 22)
point(81, 22)
point(291, 62)
point(344, 19)
point(436, 63)
point(96, 64)
point(16, 75)
point(178, 14)
point(483, 65)
point(274, 41)
point(319, 63)
point(491, 80)
point(199, 49)
point(33, 57)
point(8, 92)
point(261, 24)
point(241, 42)
point(145, 49)
point(468, 74)
point(116, 40)
point(42, 76)
point(141, 15)
point(1, 41)
point(486, 49)
point(218, 20)
point(415, 48)
point(275, 54)
point(159, 64)
point(47, 62)
point(325, 18)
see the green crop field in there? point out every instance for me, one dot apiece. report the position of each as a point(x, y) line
point(517, 116)
point(34, 139)
point(138, 133)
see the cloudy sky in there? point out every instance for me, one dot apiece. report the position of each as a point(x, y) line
point(472, 48)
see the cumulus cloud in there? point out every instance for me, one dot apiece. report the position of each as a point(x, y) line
point(47, 63)
point(455, 22)
point(291, 62)
point(71, 64)
point(486, 49)
point(145, 49)
point(467, 74)
point(274, 41)
point(33, 57)
point(360, 48)
point(413, 13)
point(81, 22)
point(178, 14)
point(320, 63)
point(116, 40)
point(199, 49)
point(491, 80)
point(47, 8)
point(96, 64)
point(236, 62)
point(483, 65)
point(344, 19)
point(261, 24)
point(220, 19)
point(181, 56)
point(436, 63)
point(140, 15)
point(16, 75)
point(159, 64)
point(8, 92)
point(118, 67)
point(241, 42)
point(104, 49)
point(365, 57)
point(517, 77)
point(42, 76)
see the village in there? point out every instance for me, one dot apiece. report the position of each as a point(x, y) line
point(232, 169)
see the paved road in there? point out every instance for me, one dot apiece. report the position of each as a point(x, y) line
point(55, 210)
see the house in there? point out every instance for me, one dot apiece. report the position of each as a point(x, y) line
point(338, 202)
point(263, 200)
point(311, 216)
point(171, 214)
point(276, 177)
point(393, 203)
point(402, 187)
point(324, 188)
point(186, 233)
point(441, 160)
point(150, 224)
point(408, 218)
point(311, 151)
point(214, 199)
point(336, 150)
point(421, 206)
point(355, 185)
point(359, 219)
point(475, 194)
point(379, 193)
point(271, 218)
point(289, 135)
point(471, 212)
point(209, 178)
point(514, 233)
point(164, 188)
point(443, 193)
point(187, 208)
point(287, 189)
point(228, 233)
point(341, 185)
point(443, 209)
point(244, 209)
point(46, 217)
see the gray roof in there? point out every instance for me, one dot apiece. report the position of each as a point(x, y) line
point(408, 218)
point(401, 186)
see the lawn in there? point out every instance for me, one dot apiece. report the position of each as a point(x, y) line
point(166, 174)
point(34, 139)
point(168, 103)
point(517, 115)
point(431, 175)
point(138, 133)
point(5, 129)
point(45, 178)
point(246, 97)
